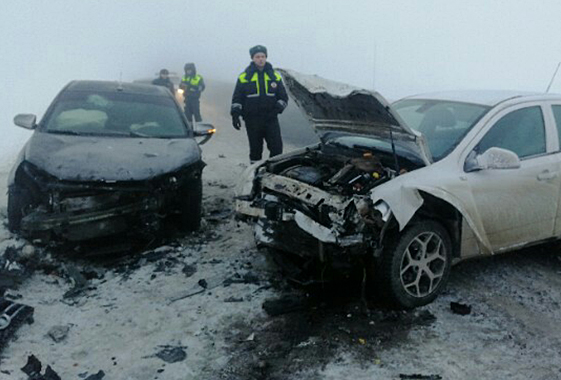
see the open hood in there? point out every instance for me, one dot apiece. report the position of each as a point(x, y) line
point(337, 107)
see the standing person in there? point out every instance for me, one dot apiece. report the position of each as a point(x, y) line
point(259, 97)
point(192, 85)
point(163, 80)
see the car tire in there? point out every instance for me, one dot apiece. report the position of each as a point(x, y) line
point(415, 267)
point(190, 207)
point(19, 200)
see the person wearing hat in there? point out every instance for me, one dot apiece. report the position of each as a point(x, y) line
point(163, 80)
point(192, 85)
point(259, 97)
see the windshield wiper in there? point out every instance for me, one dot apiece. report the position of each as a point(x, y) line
point(64, 132)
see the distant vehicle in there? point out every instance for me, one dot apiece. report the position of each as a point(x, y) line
point(409, 189)
point(107, 158)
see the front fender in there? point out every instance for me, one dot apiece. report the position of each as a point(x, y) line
point(404, 200)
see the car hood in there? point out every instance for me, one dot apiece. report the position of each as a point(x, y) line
point(100, 158)
point(334, 108)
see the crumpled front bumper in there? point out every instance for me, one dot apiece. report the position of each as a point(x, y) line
point(86, 225)
point(287, 209)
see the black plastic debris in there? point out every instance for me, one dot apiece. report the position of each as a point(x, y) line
point(171, 354)
point(33, 367)
point(202, 283)
point(420, 377)
point(98, 376)
point(12, 316)
point(460, 308)
point(33, 370)
point(189, 270)
point(50, 374)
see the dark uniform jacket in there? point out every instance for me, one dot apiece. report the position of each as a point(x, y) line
point(164, 82)
point(259, 94)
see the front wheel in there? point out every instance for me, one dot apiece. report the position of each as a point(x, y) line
point(415, 268)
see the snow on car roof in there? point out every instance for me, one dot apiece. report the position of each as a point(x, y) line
point(484, 97)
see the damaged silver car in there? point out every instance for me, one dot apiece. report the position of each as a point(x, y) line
point(409, 189)
point(107, 159)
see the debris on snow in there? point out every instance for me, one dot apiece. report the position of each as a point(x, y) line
point(460, 308)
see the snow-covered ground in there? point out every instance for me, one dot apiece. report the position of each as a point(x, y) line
point(128, 314)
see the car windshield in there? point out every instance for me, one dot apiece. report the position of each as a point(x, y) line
point(115, 114)
point(443, 123)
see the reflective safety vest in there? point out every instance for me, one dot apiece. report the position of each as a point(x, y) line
point(192, 81)
point(255, 78)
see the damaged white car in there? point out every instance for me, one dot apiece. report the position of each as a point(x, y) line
point(411, 189)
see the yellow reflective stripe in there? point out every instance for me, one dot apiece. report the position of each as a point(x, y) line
point(255, 78)
point(243, 78)
point(278, 76)
point(193, 81)
point(267, 79)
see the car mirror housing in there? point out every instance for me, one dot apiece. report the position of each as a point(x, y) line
point(204, 130)
point(25, 120)
point(492, 158)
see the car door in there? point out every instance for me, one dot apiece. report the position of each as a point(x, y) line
point(555, 108)
point(518, 206)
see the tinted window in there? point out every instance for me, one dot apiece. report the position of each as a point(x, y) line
point(557, 114)
point(521, 131)
point(115, 114)
point(443, 123)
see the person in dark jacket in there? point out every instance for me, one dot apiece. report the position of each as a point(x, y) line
point(259, 97)
point(163, 80)
point(192, 85)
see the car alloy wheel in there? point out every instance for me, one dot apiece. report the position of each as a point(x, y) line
point(423, 264)
point(415, 265)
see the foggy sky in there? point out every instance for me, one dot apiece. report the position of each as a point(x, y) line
point(398, 47)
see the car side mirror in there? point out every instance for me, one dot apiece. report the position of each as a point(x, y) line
point(26, 120)
point(492, 158)
point(204, 130)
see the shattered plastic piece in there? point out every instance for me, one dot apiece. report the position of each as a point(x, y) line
point(420, 377)
point(12, 316)
point(98, 376)
point(33, 367)
point(50, 374)
point(459, 308)
point(172, 354)
point(58, 333)
point(250, 338)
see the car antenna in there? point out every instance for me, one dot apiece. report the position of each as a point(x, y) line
point(394, 153)
point(553, 77)
point(120, 86)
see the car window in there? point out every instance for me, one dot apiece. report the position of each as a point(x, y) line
point(115, 114)
point(443, 123)
point(521, 131)
point(557, 114)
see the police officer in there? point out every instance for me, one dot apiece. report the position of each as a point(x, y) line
point(259, 97)
point(163, 80)
point(192, 85)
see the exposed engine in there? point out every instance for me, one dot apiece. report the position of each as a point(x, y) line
point(335, 173)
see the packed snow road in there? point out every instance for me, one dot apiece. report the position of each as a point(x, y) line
point(193, 308)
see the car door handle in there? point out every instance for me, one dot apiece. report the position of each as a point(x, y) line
point(546, 175)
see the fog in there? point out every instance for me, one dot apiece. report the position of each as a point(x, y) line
point(398, 47)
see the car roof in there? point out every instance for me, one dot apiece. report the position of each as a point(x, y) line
point(110, 86)
point(483, 97)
